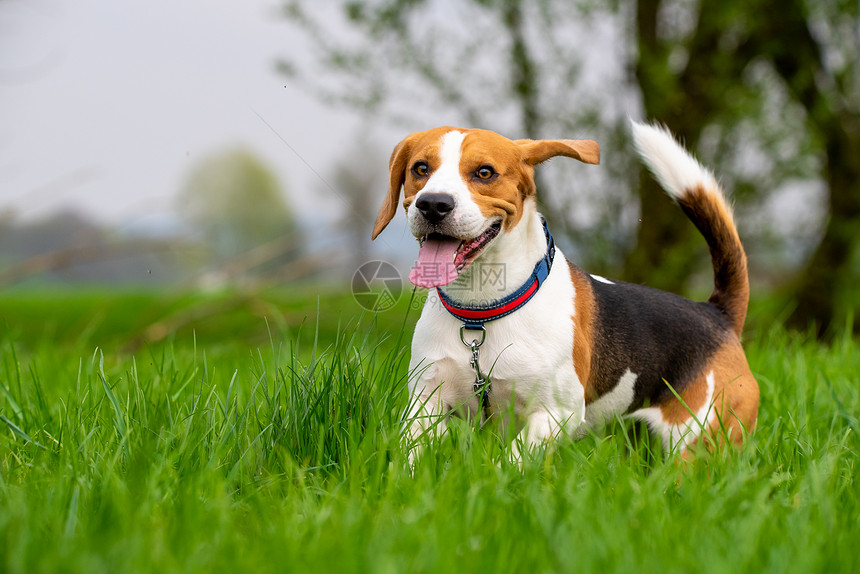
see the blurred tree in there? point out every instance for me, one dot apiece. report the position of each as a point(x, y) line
point(815, 49)
point(235, 203)
point(503, 65)
point(809, 53)
point(358, 188)
point(775, 80)
point(68, 247)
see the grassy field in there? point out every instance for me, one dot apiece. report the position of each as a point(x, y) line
point(144, 433)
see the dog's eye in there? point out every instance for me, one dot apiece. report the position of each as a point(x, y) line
point(420, 169)
point(485, 172)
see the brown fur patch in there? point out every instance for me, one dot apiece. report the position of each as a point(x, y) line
point(713, 218)
point(583, 331)
point(694, 396)
point(504, 194)
point(735, 399)
point(736, 393)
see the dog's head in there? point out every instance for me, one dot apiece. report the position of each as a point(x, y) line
point(462, 188)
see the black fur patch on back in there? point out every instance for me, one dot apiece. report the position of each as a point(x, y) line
point(657, 335)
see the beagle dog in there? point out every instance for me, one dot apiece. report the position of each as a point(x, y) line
point(511, 325)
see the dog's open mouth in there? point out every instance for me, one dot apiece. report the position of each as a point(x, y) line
point(441, 258)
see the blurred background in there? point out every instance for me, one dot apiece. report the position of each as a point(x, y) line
point(188, 147)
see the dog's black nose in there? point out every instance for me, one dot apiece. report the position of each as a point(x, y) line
point(435, 206)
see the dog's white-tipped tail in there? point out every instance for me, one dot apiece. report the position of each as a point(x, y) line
point(672, 166)
point(700, 197)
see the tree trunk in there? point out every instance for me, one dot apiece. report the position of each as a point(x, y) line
point(799, 60)
point(686, 101)
point(829, 269)
point(662, 255)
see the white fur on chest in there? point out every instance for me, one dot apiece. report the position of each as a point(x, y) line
point(528, 354)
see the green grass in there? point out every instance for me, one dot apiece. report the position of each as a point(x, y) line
point(266, 438)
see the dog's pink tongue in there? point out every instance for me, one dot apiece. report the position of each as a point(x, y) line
point(435, 265)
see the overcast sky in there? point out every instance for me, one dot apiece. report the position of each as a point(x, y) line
point(105, 106)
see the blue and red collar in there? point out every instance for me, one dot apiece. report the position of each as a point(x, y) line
point(474, 316)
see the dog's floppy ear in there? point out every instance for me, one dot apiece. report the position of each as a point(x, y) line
point(397, 175)
point(538, 151)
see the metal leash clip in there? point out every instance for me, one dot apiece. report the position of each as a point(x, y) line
point(482, 383)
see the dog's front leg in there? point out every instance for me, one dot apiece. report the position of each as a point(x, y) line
point(427, 418)
point(542, 427)
point(549, 420)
